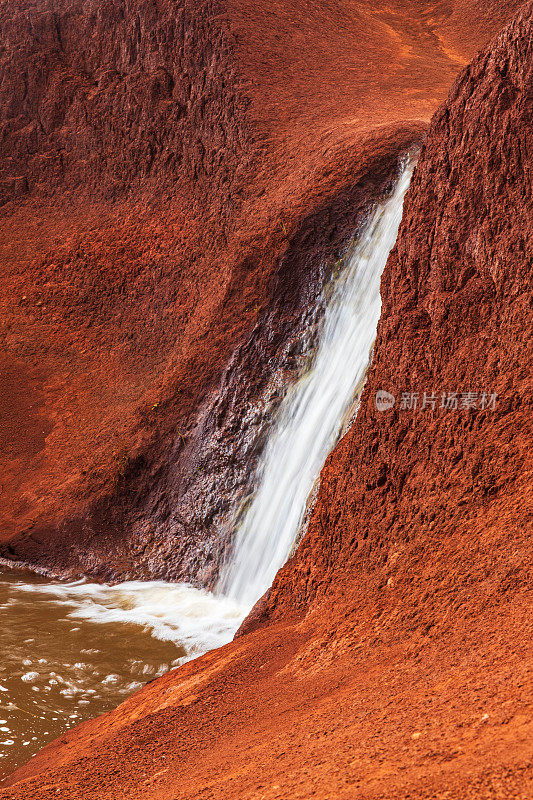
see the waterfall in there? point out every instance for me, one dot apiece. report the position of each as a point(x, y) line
point(310, 417)
point(82, 647)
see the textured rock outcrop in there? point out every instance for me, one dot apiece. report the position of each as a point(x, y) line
point(446, 465)
point(398, 664)
point(103, 97)
point(176, 178)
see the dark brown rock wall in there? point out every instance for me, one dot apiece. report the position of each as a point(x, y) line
point(104, 97)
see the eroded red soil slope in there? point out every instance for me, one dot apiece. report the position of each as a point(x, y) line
point(173, 174)
point(397, 658)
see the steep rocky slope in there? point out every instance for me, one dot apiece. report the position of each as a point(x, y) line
point(456, 321)
point(396, 662)
point(177, 180)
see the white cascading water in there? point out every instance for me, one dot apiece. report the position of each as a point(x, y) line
point(310, 417)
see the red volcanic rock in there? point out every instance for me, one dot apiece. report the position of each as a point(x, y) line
point(176, 178)
point(396, 662)
point(456, 319)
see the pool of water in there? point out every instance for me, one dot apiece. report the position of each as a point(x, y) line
point(71, 651)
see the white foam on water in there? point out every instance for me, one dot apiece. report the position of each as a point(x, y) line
point(192, 618)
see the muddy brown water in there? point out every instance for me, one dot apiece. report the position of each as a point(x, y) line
point(71, 651)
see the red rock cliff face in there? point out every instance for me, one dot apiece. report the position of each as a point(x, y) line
point(456, 318)
point(396, 662)
point(101, 97)
point(177, 178)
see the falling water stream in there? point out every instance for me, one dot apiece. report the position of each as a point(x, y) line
point(313, 410)
point(73, 650)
